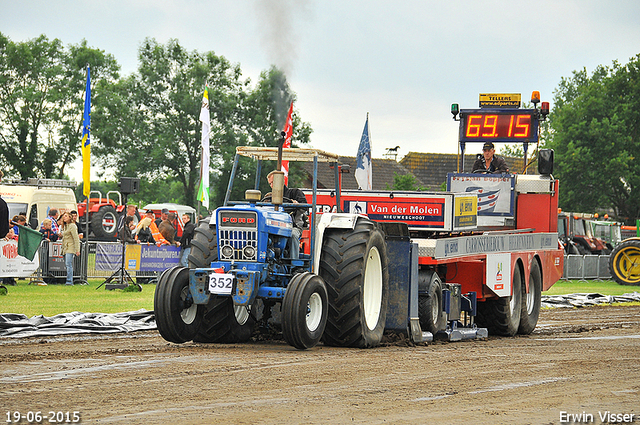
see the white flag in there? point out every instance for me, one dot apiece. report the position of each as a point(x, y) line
point(363, 165)
point(203, 191)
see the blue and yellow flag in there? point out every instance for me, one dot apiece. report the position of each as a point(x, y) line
point(86, 139)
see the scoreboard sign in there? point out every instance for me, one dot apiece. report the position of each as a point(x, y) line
point(498, 125)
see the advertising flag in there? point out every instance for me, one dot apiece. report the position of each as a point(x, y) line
point(363, 159)
point(86, 139)
point(288, 132)
point(203, 191)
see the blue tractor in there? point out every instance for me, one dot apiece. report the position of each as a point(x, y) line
point(241, 271)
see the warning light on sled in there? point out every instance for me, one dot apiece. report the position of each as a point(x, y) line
point(535, 97)
point(455, 109)
point(544, 109)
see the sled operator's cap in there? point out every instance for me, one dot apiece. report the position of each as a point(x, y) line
point(487, 146)
point(165, 211)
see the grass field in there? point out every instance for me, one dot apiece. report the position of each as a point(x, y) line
point(32, 300)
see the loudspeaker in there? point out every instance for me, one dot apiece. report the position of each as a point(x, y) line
point(129, 185)
point(545, 161)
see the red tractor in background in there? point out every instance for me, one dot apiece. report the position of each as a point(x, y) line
point(104, 213)
point(575, 233)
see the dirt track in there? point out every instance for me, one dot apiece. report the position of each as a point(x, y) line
point(577, 361)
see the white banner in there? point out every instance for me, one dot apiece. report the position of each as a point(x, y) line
point(14, 265)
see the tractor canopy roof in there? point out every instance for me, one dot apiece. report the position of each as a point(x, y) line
point(288, 154)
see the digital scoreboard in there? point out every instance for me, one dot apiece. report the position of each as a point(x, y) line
point(499, 125)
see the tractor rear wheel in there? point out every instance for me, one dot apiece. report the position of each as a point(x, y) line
point(353, 264)
point(304, 310)
point(221, 321)
point(104, 222)
point(177, 317)
point(501, 316)
point(531, 300)
point(624, 262)
point(432, 317)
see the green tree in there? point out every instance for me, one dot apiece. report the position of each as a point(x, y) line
point(41, 96)
point(405, 182)
point(148, 124)
point(595, 131)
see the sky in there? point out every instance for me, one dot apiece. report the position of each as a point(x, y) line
point(402, 62)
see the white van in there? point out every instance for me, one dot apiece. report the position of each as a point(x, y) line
point(35, 197)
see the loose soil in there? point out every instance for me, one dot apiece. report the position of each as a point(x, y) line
point(578, 361)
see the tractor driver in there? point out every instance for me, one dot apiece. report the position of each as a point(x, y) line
point(489, 162)
point(297, 197)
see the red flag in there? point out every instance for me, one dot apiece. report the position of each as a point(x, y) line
point(288, 131)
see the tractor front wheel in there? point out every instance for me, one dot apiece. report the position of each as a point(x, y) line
point(177, 317)
point(304, 310)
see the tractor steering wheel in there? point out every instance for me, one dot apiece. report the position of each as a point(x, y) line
point(268, 196)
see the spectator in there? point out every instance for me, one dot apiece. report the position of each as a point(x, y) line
point(125, 234)
point(47, 231)
point(164, 215)
point(185, 240)
point(131, 212)
point(142, 231)
point(157, 236)
point(4, 215)
point(19, 220)
point(53, 216)
point(70, 244)
point(4, 229)
point(167, 229)
point(74, 216)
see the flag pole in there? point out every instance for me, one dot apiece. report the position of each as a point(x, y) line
point(86, 192)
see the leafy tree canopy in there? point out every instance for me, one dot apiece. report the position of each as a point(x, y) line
point(595, 132)
point(41, 103)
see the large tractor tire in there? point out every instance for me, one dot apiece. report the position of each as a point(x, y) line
point(221, 321)
point(104, 222)
point(177, 318)
point(501, 316)
point(531, 300)
point(304, 310)
point(353, 264)
point(624, 262)
point(432, 317)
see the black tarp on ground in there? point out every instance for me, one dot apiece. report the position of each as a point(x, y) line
point(20, 326)
point(584, 300)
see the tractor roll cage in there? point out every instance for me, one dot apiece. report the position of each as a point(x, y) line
point(288, 154)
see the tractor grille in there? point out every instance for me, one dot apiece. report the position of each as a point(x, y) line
point(238, 235)
point(240, 245)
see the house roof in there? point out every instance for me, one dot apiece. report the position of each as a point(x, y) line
point(432, 168)
point(383, 171)
point(429, 169)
